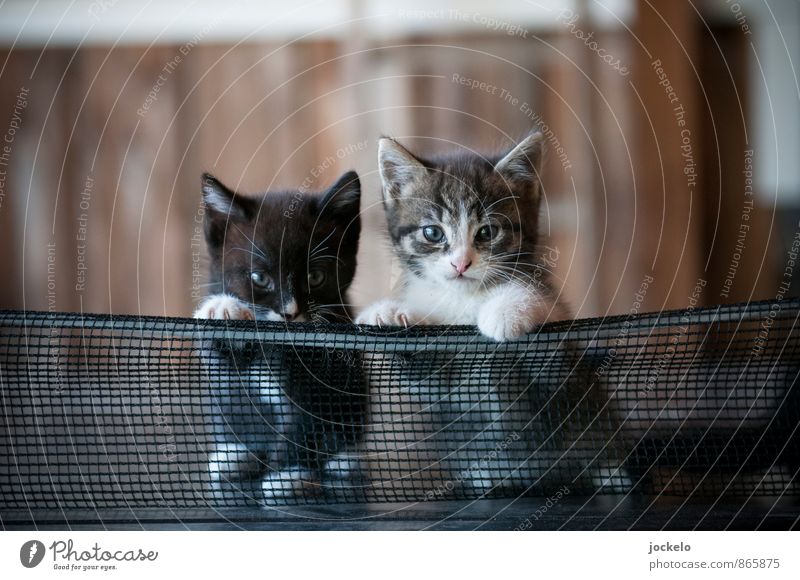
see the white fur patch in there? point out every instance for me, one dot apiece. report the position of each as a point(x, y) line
point(446, 302)
point(223, 307)
point(504, 312)
point(288, 483)
point(270, 392)
point(388, 313)
point(511, 312)
point(343, 466)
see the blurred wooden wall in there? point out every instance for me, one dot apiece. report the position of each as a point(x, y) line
point(263, 116)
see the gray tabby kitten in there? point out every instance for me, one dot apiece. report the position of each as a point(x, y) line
point(465, 230)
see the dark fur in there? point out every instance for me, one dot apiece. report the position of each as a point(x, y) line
point(276, 423)
point(286, 228)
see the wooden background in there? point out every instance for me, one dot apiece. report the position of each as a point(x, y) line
point(263, 115)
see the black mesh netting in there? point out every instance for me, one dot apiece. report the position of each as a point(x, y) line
point(117, 411)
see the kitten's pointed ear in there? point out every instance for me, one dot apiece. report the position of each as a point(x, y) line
point(222, 206)
point(398, 168)
point(221, 200)
point(343, 198)
point(522, 166)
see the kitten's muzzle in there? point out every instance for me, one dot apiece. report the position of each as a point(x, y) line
point(290, 311)
point(461, 266)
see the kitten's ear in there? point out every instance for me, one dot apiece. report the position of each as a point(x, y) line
point(522, 166)
point(222, 205)
point(343, 198)
point(398, 168)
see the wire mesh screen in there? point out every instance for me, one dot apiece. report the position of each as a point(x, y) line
point(105, 412)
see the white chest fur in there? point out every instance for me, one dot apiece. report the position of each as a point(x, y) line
point(443, 303)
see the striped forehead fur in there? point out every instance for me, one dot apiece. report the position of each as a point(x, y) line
point(458, 188)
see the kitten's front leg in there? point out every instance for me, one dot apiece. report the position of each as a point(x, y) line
point(514, 311)
point(387, 313)
point(223, 307)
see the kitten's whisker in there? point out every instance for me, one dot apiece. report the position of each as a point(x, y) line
point(317, 251)
point(259, 250)
point(537, 270)
point(326, 257)
point(515, 276)
point(246, 251)
point(507, 262)
point(521, 266)
point(510, 253)
point(514, 273)
point(325, 313)
point(317, 247)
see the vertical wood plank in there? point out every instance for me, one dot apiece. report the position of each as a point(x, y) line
point(670, 205)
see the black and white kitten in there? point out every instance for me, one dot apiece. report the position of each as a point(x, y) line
point(464, 228)
point(289, 256)
point(283, 256)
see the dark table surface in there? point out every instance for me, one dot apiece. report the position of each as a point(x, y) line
point(575, 513)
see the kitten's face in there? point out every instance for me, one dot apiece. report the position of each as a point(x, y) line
point(463, 220)
point(291, 255)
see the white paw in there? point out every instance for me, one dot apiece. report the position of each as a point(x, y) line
point(223, 307)
point(296, 482)
point(343, 466)
point(386, 313)
point(232, 462)
point(503, 319)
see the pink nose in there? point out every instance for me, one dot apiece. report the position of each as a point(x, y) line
point(462, 266)
point(290, 311)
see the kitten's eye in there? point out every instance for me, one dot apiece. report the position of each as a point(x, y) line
point(261, 280)
point(486, 233)
point(433, 234)
point(316, 278)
